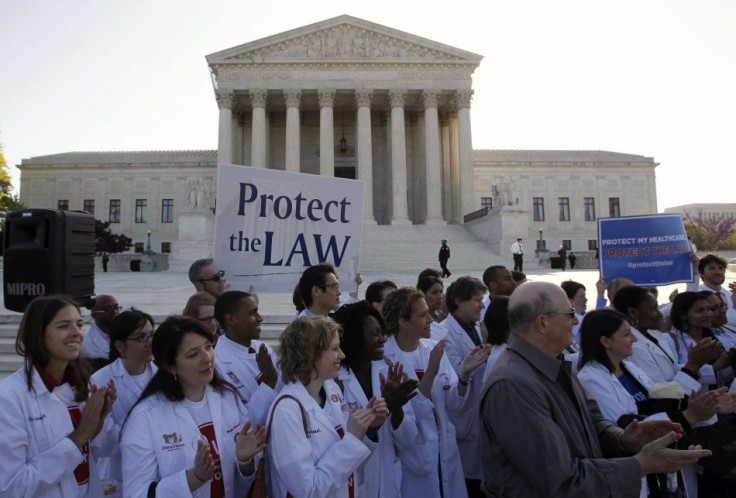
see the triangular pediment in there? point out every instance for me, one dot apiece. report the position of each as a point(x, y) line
point(343, 39)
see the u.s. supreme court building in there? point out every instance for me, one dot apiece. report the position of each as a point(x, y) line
point(350, 98)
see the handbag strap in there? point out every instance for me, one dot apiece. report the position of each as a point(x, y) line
point(301, 409)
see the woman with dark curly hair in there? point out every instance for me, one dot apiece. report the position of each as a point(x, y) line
point(365, 375)
point(52, 427)
point(189, 433)
point(315, 444)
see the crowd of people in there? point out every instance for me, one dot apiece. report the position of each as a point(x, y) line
point(491, 386)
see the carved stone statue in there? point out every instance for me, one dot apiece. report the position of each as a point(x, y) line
point(502, 192)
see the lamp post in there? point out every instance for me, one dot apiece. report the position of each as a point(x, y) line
point(148, 245)
point(542, 251)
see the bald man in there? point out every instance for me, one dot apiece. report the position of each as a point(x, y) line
point(611, 289)
point(542, 437)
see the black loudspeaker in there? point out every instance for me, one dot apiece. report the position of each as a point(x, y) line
point(47, 251)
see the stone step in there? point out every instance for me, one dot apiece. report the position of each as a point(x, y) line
point(7, 345)
point(415, 247)
point(8, 331)
point(9, 363)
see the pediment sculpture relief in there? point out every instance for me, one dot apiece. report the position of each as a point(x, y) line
point(346, 42)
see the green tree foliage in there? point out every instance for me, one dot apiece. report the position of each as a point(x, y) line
point(8, 201)
point(106, 241)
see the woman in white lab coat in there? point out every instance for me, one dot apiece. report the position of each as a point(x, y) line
point(434, 294)
point(132, 367)
point(617, 386)
point(441, 396)
point(653, 353)
point(315, 444)
point(365, 375)
point(188, 435)
point(50, 425)
point(691, 315)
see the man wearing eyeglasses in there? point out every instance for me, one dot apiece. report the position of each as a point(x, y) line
point(542, 436)
point(207, 277)
point(96, 342)
point(319, 289)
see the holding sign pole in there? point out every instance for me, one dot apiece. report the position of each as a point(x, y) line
point(649, 250)
point(270, 225)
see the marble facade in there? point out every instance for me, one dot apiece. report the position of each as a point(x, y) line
point(350, 98)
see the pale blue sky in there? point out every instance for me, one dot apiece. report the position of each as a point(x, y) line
point(649, 77)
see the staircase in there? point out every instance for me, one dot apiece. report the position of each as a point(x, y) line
point(412, 248)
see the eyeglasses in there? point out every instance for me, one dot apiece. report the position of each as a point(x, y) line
point(214, 278)
point(108, 309)
point(207, 319)
point(141, 338)
point(334, 286)
point(570, 314)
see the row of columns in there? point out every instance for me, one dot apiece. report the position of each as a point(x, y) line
point(363, 98)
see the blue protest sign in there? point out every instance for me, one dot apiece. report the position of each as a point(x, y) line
point(650, 250)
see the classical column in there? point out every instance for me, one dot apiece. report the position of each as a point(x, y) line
point(433, 165)
point(363, 98)
point(258, 98)
point(446, 167)
point(399, 211)
point(225, 100)
point(326, 132)
point(293, 99)
point(468, 202)
point(455, 172)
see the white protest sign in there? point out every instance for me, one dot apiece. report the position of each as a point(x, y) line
point(270, 225)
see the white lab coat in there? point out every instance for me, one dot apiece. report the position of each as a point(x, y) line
point(436, 438)
point(437, 331)
point(614, 401)
point(467, 423)
point(160, 441)
point(37, 459)
point(319, 463)
point(128, 392)
point(657, 365)
point(236, 365)
point(96, 343)
point(380, 474)
point(706, 372)
point(603, 386)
